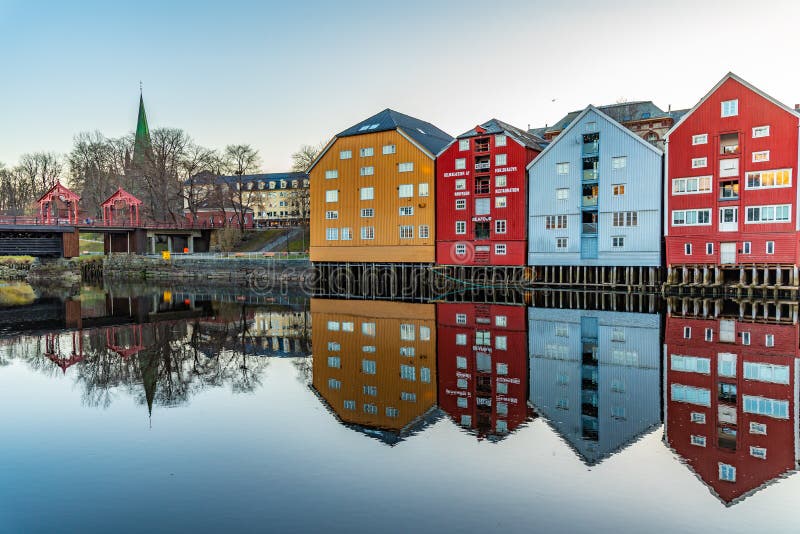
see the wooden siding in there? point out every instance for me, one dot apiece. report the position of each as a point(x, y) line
point(387, 245)
point(387, 317)
point(642, 177)
point(515, 212)
point(71, 244)
point(782, 143)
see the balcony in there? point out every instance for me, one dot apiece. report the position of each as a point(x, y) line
point(483, 165)
point(591, 175)
point(729, 144)
point(481, 145)
point(590, 149)
point(589, 228)
point(589, 201)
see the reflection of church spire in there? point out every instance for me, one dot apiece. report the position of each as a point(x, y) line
point(148, 366)
point(142, 146)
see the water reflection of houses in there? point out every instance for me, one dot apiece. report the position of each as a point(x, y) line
point(595, 376)
point(374, 365)
point(731, 396)
point(483, 366)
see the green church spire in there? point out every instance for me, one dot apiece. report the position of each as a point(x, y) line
point(142, 147)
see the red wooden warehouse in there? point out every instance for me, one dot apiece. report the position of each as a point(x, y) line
point(483, 366)
point(731, 192)
point(481, 196)
point(731, 400)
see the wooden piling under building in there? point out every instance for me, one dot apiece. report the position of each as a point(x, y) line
point(618, 278)
point(747, 280)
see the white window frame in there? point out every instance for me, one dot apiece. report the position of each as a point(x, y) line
point(760, 156)
point(463, 145)
point(332, 195)
point(732, 108)
point(562, 168)
point(407, 166)
point(699, 163)
point(460, 164)
point(500, 226)
point(760, 131)
point(696, 213)
point(500, 249)
point(345, 154)
point(461, 227)
point(423, 231)
point(700, 139)
point(366, 193)
point(619, 162)
point(461, 204)
point(389, 149)
point(500, 160)
point(330, 174)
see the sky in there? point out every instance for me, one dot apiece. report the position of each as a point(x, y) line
point(278, 75)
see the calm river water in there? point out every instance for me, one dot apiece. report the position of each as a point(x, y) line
point(200, 410)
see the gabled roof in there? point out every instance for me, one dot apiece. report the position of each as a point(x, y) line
point(577, 120)
point(424, 134)
point(59, 189)
point(748, 85)
point(121, 194)
point(494, 126)
point(622, 112)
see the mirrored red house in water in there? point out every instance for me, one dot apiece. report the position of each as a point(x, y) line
point(731, 399)
point(595, 376)
point(483, 368)
point(375, 365)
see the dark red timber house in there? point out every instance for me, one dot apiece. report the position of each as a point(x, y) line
point(481, 196)
point(731, 197)
point(731, 394)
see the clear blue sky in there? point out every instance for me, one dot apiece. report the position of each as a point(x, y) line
point(281, 74)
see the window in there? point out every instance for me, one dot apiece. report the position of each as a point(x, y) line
point(333, 326)
point(332, 195)
point(462, 402)
point(745, 338)
point(766, 372)
point(461, 227)
point(761, 156)
point(758, 428)
point(370, 409)
point(700, 441)
point(347, 326)
point(687, 332)
point(500, 249)
point(461, 184)
point(367, 171)
point(332, 234)
point(502, 388)
point(482, 206)
point(483, 337)
point(334, 362)
point(726, 365)
point(700, 139)
point(760, 131)
point(552, 222)
point(709, 248)
point(461, 339)
point(729, 167)
point(422, 189)
point(461, 163)
point(463, 144)
point(461, 249)
point(770, 247)
point(405, 190)
point(425, 375)
point(408, 352)
point(687, 249)
point(334, 384)
point(371, 391)
point(406, 211)
point(709, 334)
point(424, 333)
point(500, 180)
point(689, 186)
point(349, 405)
point(729, 190)
point(699, 163)
point(617, 334)
point(690, 364)
point(618, 190)
point(334, 346)
point(562, 193)
point(700, 217)
point(482, 231)
point(369, 367)
point(617, 241)
point(369, 348)
point(625, 218)
point(461, 204)
point(389, 149)
point(407, 332)
point(619, 162)
point(367, 193)
point(367, 212)
point(769, 340)
point(501, 369)
point(367, 232)
point(500, 159)
point(423, 231)
point(461, 362)
point(500, 202)
point(500, 226)
point(345, 154)
point(691, 395)
point(331, 174)
point(760, 214)
point(699, 418)
point(501, 342)
point(730, 108)
point(617, 385)
point(331, 215)
point(466, 420)
point(408, 372)
point(561, 242)
point(500, 140)
point(366, 152)
point(406, 231)
point(562, 168)
point(769, 179)
point(406, 167)
point(727, 472)
point(461, 318)
point(758, 452)
point(763, 406)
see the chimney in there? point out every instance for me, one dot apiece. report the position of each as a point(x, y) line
point(669, 108)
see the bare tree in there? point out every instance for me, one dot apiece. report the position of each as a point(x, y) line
point(162, 198)
point(305, 156)
point(197, 177)
point(240, 160)
point(40, 170)
point(94, 170)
